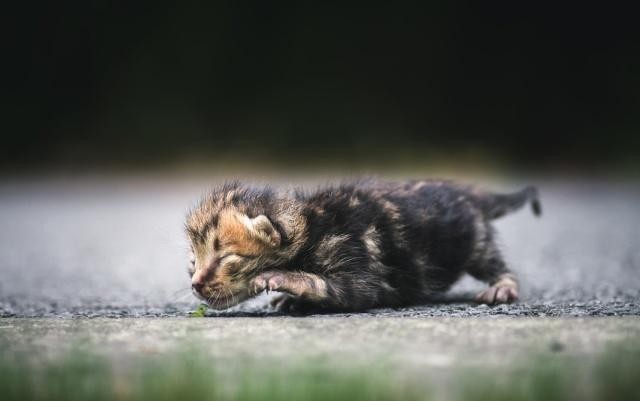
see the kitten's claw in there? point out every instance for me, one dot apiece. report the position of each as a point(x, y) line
point(259, 284)
point(275, 281)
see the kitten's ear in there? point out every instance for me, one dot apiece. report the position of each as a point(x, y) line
point(262, 228)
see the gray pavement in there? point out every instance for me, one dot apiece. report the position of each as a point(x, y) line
point(114, 247)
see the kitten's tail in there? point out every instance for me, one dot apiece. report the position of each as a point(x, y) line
point(497, 205)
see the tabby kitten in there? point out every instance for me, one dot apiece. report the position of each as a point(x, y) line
point(354, 246)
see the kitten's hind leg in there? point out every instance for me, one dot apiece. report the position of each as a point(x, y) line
point(504, 290)
point(490, 268)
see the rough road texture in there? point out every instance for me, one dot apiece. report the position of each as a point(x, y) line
point(115, 248)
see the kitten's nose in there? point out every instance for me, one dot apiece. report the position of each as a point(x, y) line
point(197, 286)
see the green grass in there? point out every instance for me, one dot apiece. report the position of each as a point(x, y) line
point(201, 311)
point(188, 375)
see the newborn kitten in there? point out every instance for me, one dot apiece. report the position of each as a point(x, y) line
point(355, 246)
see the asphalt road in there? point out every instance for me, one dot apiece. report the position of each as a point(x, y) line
point(114, 247)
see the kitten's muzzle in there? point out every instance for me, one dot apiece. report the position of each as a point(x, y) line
point(205, 289)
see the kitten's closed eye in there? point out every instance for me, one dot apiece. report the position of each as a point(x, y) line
point(235, 257)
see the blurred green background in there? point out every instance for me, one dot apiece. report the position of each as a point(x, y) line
point(116, 83)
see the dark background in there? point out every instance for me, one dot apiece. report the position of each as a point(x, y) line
point(141, 82)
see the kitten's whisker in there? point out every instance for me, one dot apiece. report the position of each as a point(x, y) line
point(215, 301)
point(233, 298)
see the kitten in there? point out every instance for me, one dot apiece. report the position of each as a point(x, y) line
point(354, 246)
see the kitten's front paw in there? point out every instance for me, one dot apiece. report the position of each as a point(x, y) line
point(497, 294)
point(270, 281)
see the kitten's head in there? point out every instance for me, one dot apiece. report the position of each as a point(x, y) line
point(231, 240)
